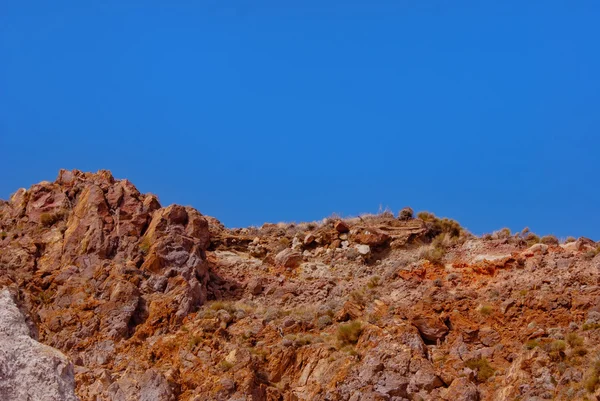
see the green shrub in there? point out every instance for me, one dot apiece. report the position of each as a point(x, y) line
point(349, 333)
point(482, 367)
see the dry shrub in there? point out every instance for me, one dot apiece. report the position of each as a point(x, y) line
point(349, 333)
point(48, 219)
point(434, 254)
point(145, 245)
point(549, 240)
point(483, 368)
point(593, 377)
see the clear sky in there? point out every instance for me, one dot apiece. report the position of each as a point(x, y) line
point(251, 111)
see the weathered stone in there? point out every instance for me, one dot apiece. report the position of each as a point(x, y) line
point(288, 258)
point(30, 370)
point(371, 237)
point(341, 227)
point(431, 327)
point(363, 249)
point(462, 389)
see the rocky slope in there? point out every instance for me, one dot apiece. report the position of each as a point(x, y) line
point(153, 303)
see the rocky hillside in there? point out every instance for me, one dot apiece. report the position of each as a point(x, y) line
point(144, 302)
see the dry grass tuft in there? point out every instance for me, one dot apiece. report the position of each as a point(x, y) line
point(349, 333)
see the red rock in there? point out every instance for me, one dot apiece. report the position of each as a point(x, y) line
point(341, 227)
point(309, 239)
point(462, 389)
point(371, 237)
point(432, 328)
point(288, 258)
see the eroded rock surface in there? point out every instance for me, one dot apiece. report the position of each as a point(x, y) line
point(30, 370)
point(154, 303)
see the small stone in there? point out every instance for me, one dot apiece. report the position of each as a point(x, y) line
point(288, 258)
point(228, 384)
point(309, 239)
point(341, 227)
point(462, 389)
point(255, 286)
point(363, 249)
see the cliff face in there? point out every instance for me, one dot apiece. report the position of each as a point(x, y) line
point(153, 303)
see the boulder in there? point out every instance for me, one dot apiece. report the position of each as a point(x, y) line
point(462, 389)
point(432, 328)
point(288, 258)
point(30, 370)
point(371, 237)
point(341, 227)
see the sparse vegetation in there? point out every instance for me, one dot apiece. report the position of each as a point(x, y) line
point(482, 367)
point(570, 239)
point(531, 239)
point(549, 240)
point(49, 219)
point(358, 297)
point(349, 333)
point(434, 254)
point(406, 214)
point(590, 326)
point(574, 340)
point(45, 297)
point(195, 340)
point(3, 234)
point(486, 310)
point(438, 226)
point(503, 233)
point(374, 282)
point(225, 365)
point(556, 350)
point(531, 344)
point(145, 245)
point(592, 253)
point(593, 377)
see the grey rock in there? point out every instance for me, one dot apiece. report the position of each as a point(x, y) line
point(30, 370)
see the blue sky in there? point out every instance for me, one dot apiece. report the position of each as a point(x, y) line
point(253, 111)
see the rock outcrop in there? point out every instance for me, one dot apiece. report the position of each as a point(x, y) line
point(30, 370)
point(163, 303)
